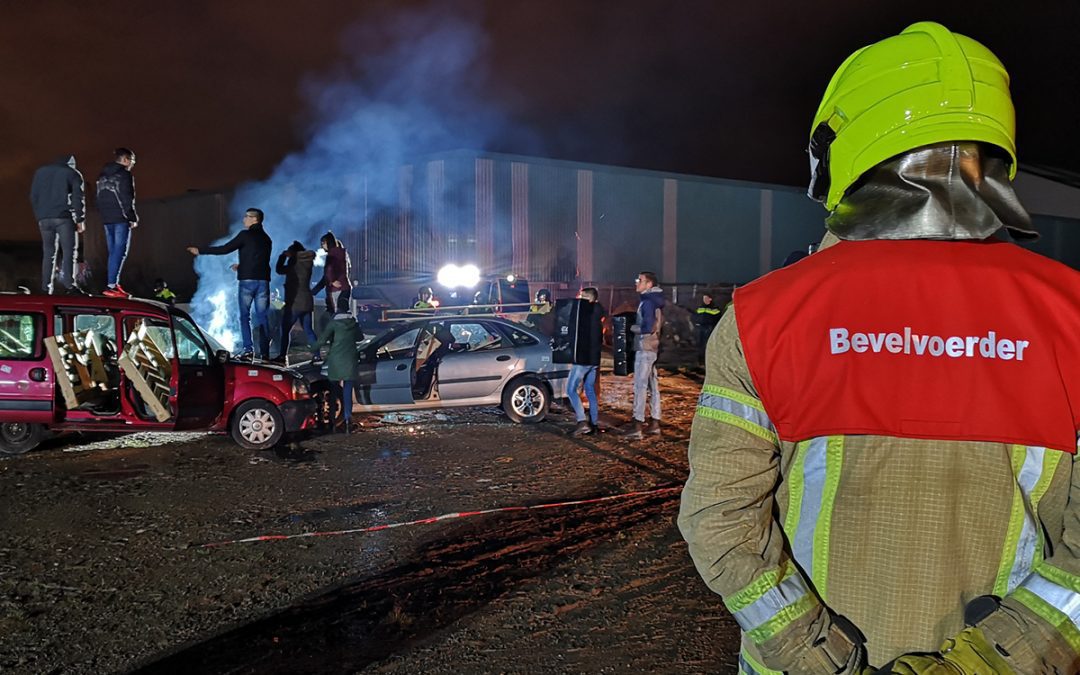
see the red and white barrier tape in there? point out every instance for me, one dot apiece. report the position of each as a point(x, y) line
point(445, 516)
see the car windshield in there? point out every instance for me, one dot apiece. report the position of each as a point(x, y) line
point(399, 344)
point(214, 344)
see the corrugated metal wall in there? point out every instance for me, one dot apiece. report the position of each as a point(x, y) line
point(547, 220)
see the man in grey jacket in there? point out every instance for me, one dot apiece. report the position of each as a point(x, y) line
point(59, 206)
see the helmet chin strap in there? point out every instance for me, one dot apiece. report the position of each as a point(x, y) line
point(943, 191)
point(818, 150)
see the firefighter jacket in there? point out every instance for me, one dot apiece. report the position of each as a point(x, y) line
point(887, 431)
point(707, 316)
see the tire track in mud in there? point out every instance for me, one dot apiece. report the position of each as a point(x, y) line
point(364, 621)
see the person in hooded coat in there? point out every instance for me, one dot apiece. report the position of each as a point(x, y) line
point(296, 263)
point(57, 196)
point(342, 357)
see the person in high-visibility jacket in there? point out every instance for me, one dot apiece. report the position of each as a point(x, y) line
point(707, 315)
point(882, 460)
point(424, 298)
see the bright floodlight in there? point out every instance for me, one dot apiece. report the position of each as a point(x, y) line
point(452, 276)
point(510, 278)
point(469, 276)
point(448, 276)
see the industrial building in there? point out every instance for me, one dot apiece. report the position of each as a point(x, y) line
point(548, 220)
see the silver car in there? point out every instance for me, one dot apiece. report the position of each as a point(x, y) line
point(459, 361)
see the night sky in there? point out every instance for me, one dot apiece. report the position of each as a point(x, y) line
point(210, 94)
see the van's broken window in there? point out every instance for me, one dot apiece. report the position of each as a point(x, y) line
point(18, 336)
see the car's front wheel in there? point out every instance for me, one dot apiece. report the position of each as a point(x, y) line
point(257, 424)
point(526, 400)
point(19, 437)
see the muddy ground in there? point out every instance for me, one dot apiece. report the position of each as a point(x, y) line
point(103, 568)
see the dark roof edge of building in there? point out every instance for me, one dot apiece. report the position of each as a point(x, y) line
point(1053, 173)
point(464, 153)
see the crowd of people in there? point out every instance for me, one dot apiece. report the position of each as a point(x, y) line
point(57, 194)
point(254, 247)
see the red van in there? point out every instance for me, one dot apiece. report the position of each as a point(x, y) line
point(123, 365)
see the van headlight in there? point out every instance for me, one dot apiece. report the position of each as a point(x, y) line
point(300, 389)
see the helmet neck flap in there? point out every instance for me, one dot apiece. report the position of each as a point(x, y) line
point(958, 190)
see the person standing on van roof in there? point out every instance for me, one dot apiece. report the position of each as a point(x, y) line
point(296, 263)
point(858, 501)
point(336, 273)
point(116, 202)
point(59, 203)
point(253, 279)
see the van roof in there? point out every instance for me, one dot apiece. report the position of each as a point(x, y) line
point(22, 301)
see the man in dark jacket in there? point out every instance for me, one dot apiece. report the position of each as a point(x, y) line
point(253, 277)
point(60, 209)
point(647, 344)
point(296, 264)
point(116, 202)
point(706, 316)
point(586, 368)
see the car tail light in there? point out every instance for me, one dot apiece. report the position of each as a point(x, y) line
point(300, 389)
point(38, 374)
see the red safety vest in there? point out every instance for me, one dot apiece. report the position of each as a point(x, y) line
point(942, 340)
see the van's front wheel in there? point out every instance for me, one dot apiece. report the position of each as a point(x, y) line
point(257, 424)
point(19, 437)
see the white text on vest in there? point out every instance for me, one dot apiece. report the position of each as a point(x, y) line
point(987, 346)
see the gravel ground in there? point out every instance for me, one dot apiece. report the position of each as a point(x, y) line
point(103, 568)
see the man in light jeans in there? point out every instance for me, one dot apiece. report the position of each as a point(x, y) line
point(586, 367)
point(248, 292)
point(647, 344)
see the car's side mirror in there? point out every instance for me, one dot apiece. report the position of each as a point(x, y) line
point(222, 356)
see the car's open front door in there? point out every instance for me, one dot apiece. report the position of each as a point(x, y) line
point(387, 370)
point(200, 395)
